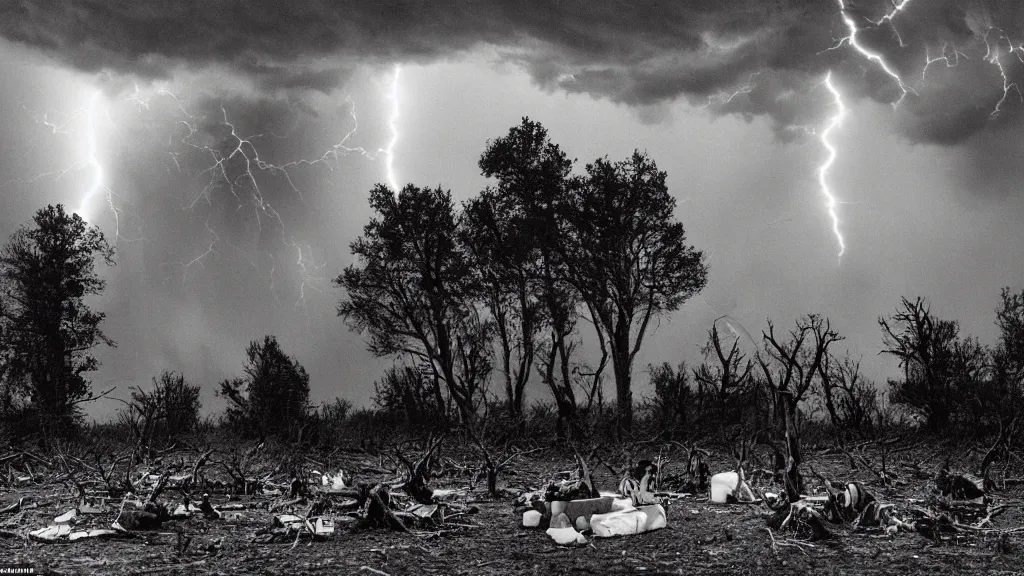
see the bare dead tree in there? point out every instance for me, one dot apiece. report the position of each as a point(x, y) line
point(1000, 451)
point(848, 397)
point(497, 455)
point(790, 367)
point(924, 346)
point(107, 469)
point(554, 356)
point(239, 467)
point(723, 376)
point(418, 473)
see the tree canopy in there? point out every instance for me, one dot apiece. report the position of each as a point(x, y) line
point(47, 270)
point(516, 268)
point(410, 292)
point(272, 398)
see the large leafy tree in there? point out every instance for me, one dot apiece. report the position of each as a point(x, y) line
point(533, 189)
point(411, 293)
point(272, 398)
point(47, 270)
point(628, 259)
point(503, 256)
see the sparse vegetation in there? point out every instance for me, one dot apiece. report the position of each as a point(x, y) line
point(169, 409)
point(536, 286)
point(272, 398)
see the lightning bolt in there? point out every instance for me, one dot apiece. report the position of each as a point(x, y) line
point(992, 56)
point(90, 150)
point(830, 200)
point(389, 151)
point(234, 164)
point(243, 158)
point(851, 40)
point(230, 165)
point(722, 99)
point(92, 154)
point(98, 185)
point(897, 7)
point(950, 55)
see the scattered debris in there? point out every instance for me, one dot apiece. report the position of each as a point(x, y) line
point(730, 488)
point(100, 533)
point(427, 512)
point(21, 504)
point(50, 533)
point(851, 502)
point(289, 527)
point(61, 530)
point(531, 519)
point(135, 515)
point(574, 509)
point(603, 514)
point(209, 512)
point(67, 517)
point(85, 508)
point(566, 536)
point(332, 482)
point(629, 522)
point(639, 483)
point(960, 486)
point(577, 485)
point(559, 521)
point(184, 511)
point(801, 514)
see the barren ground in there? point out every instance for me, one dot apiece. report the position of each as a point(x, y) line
point(702, 538)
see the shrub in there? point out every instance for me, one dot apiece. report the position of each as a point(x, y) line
point(325, 425)
point(672, 396)
point(169, 409)
point(406, 393)
point(272, 398)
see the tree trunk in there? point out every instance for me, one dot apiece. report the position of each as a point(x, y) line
point(622, 366)
point(565, 397)
point(514, 404)
point(794, 483)
point(492, 482)
point(623, 396)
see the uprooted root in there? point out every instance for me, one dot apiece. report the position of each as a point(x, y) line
point(800, 516)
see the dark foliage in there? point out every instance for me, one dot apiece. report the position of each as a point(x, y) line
point(410, 293)
point(628, 259)
point(938, 366)
point(673, 397)
point(408, 395)
point(272, 398)
point(169, 410)
point(48, 332)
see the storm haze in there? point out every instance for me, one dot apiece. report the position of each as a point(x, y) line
point(148, 118)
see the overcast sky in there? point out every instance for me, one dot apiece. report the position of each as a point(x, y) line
point(147, 116)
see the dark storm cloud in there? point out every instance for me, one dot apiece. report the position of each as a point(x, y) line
point(636, 53)
point(283, 78)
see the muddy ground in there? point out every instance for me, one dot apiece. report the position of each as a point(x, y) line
point(702, 538)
